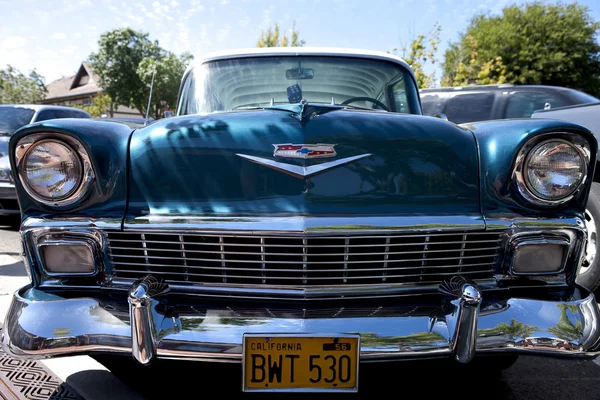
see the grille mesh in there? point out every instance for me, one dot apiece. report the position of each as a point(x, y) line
point(296, 262)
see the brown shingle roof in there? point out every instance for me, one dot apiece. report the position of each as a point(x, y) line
point(63, 87)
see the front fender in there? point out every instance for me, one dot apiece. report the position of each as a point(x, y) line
point(499, 143)
point(107, 144)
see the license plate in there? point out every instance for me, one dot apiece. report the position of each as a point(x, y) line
point(315, 363)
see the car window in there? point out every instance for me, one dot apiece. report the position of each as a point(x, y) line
point(523, 104)
point(12, 118)
point(70, 114)
point(469, 107)
point(45, 115)
point(432, 104)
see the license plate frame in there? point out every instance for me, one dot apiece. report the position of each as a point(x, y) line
point(354, 337)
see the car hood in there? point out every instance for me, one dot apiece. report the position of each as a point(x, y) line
point(226, 164)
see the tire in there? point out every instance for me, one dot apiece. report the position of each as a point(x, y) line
point(589, 272)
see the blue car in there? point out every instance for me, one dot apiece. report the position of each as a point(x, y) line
point(300, 216)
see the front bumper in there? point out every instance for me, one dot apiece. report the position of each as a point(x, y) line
point(152, 324)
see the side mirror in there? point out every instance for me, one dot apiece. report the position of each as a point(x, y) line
point(441, 116)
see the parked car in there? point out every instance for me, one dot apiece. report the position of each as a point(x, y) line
point(587, 115)
point(301, 217)
point(488, 102)
point(13, 117)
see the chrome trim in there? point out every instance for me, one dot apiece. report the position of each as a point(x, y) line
point(303, 335)
point(93, 239)
point(302, 225)
point(24, 146)
point(302, 263)
point(462, 322)
point(519, 170)
point(70, 223)
point(145, 318)
point(539, 238)
point(301, 172)
point(42, 325)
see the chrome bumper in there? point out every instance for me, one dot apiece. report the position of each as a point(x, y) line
point(151, 325)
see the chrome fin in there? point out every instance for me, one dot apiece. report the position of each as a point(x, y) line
point(301, 172)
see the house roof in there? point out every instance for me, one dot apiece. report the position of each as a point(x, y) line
point(85, 81)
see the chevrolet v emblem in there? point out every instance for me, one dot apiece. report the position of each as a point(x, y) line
point(301, 172)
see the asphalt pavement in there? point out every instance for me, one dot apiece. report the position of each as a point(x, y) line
point(112, 377)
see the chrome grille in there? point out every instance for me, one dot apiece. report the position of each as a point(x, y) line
point(304, 261)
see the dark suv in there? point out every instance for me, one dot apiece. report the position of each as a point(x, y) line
point(478, 103)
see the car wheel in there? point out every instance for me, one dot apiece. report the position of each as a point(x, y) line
point(589, 272)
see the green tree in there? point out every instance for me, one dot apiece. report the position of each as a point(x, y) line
point(474, 71)
point(422, 50)
point(273, 37)
point(18, 88)
point(169, 70)
point(119, 55)
point(535, 43)
point(101, 104)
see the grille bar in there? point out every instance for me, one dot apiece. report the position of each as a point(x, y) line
point(304, 261)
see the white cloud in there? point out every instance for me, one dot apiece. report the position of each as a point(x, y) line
point(59, 36)
point(223, 2)
point(244, 22)
point(174, 3)
point(266, 22)
point(223, 33)
point(13, 42)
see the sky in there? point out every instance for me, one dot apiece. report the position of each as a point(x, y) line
point(55, 36)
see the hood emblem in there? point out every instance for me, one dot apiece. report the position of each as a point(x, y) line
point(301, 172)
point(304, 151)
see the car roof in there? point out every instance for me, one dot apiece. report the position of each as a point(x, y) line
point(301, 51)
point(38, 107)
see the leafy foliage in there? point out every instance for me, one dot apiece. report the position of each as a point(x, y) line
point(169, 70)
point(273, 37)
point(101, 104)
point(421, 51)
point(123, 62)
point(535, 43)
point(475, 71)
point(18, 88)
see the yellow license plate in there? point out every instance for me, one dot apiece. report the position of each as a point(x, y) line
point(326, 363)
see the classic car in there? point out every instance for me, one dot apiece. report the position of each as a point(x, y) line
point(585, 115)
point(300, 216)
point(13, 117)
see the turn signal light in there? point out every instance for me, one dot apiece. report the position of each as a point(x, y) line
point(541, 256)
point(72, 258)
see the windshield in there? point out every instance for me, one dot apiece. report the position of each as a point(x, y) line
point(12, 118)
point(245, 83)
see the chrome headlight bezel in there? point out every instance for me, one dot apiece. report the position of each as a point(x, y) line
point(26, 144)
point(577, 142)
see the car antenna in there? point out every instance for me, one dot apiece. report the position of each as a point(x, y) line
point(150, 97)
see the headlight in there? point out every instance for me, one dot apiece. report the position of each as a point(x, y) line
point(550, 172)
point(554, 169)
point(54, 169)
